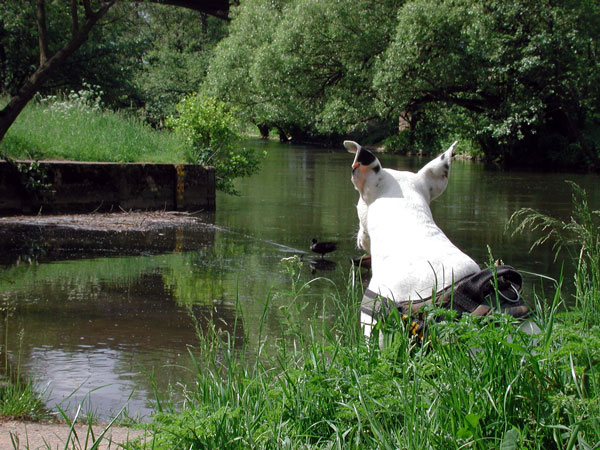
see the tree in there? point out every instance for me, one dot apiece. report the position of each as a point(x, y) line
point(521, 78)
point(230, 74)
point(180, 44)
point(304, 66)
point(49, 63)
point(319, 66)
point(84, 16)
point(108, 59)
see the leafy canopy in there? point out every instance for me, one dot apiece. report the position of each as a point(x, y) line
point(520, 80)
point(303, 67)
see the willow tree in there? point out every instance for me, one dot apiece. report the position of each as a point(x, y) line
point(231, 73)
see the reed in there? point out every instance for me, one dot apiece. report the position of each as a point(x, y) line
point(19, 400)
point(580, 238)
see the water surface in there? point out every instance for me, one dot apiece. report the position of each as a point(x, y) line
point(95, 320)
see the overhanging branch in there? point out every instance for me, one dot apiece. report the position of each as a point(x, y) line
point(217, 8)
point(452, 96)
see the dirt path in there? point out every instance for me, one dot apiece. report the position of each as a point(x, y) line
point(43, 436)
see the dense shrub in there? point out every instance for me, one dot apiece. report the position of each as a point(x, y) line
point(209, 129)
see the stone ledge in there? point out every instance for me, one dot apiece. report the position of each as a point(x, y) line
point(68, 187)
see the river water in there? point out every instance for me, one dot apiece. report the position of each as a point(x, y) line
point(107, 326)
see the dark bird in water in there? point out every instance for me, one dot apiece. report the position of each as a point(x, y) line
point(322, 247)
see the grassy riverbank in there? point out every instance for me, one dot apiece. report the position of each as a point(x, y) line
point(476, 383)
point(77, 128)
point(473, 383)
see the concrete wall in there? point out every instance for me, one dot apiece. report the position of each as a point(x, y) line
point(86, 187)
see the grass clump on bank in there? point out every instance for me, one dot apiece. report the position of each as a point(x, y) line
point(76, 127)
point(475, 382)
point(18, 398)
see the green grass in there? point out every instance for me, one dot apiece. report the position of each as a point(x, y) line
point(70, 130)
point(19, 400)
point(474, 383)
point(18, 397)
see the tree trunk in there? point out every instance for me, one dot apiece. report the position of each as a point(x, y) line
point(18, 102)
point(264, 131)
point(42, 34)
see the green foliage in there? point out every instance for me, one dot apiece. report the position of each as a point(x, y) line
point(34, 177)
point(88, 99)
point(519, 80)
point(303, 67)
point(143, 56)
point(178, 47)
point(76, 127)
point(477, 382)
point(230, 74)
point(18, 45)
point(522, 73)
point(107, 59)
point(209, 129)
point(398, 143)
point(18, 398)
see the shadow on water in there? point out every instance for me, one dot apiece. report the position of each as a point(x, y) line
point(321, 265)
point(116, 309)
